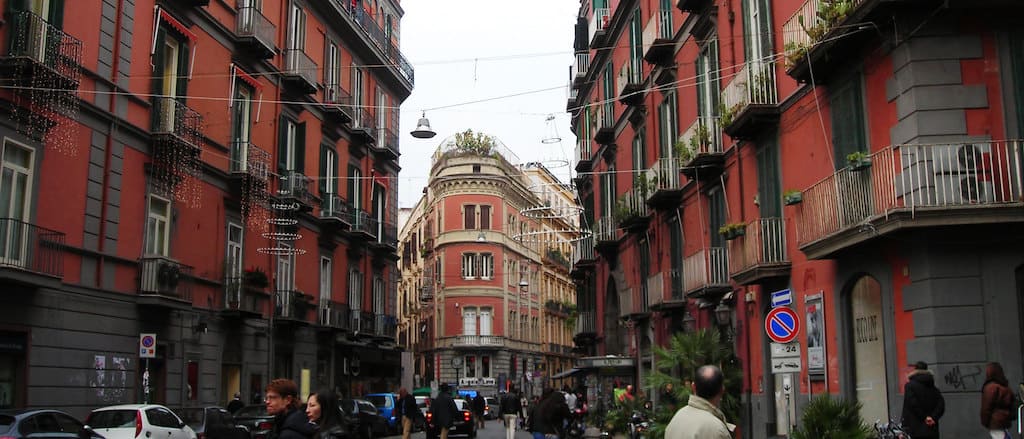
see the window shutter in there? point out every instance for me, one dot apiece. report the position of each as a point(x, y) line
point(766, 25)
point(323, 171)
point(351, 184)
point(282, 145)
point(749, 39)
point(485, 217)
point(469, 212)
point(56, 17)
point(300, 147)
point(183, 66)
point(158, 63)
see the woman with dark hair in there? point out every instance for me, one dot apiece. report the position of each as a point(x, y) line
point(996, 402)
point(282, 399)
point(322, 410)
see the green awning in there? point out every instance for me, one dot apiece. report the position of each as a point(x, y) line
point(422, 391)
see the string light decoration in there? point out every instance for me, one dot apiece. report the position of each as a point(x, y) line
point(284, 223)
point(46, 70)
point(255, 193)
point(177, 136)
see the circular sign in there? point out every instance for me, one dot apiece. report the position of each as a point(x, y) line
point(456, 362)
point(147, 341)
point(782, 325)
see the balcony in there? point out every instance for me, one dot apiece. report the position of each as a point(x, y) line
point(294, 186)
point(41, 53)
point(387, 237)
point(751, 101)
point(177, 132)
point(478, 341)
point(364, 125)
point(631, 211)
point(599, 26)
point(241, 300)
point(255, 32)
point(579, 70)
point(911, 187)
point(667, 192)
point(29, 254)
point(700, 151)
point(164, 283)
point(706, 274)
point(292, 307)
point(584, 155)
point(337, 104)
point(385, 326)
point(367, 22)
point(299, 71)
point(387, 142)
point(658, 44)
point(556, 258)
point(583, 255)
point(364, 226)
point(630, 82)
point(606, 235)
point(357, 323)
point(586, 324)
point(693, 6)
point(334, 315)
point(249, 166)
point(604, 117)
point(335, 210)
point(760, 253)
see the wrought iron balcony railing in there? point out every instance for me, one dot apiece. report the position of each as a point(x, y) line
point(160, 276)
point(249, 159)
point(584, 250)
point(708, 268)
point(387, 140)
point(657, 36)
point(764, 243)
point(598, 24)
point(28, 247)
point(251, 25)
point(606, 230)
point(754, 84)
point(586, 323)
point(335, 207)
point(582, 65)
point(294, 185)
point(299, 65)
point(238, 297)
point(172, 118)
point(703, 137)
point(48, 47)
point(385, 326)
point(334, 314)
point(291, 305)
point(338, 100)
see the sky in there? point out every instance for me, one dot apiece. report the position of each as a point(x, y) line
point(470, 50)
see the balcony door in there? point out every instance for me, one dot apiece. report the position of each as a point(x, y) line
point(233, 263)
point(15, 190)
point(469, 321)
point(382, 113)
point(240, 128)
point(485, 322)
point(247, 15)
point(170, 51)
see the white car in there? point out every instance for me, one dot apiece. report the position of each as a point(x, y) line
point(138, 421)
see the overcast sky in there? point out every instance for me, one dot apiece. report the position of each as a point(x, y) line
point(519, 47)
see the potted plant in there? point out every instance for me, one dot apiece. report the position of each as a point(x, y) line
point(732, 230)
point(792, 197)
point(858, 160)
point(683, 152)
point(256, 278)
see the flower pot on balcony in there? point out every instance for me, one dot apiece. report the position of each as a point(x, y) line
point(858, 161)
point(793, 198)
point(732, 231)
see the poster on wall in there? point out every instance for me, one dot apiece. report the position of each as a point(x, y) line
point(815, 334)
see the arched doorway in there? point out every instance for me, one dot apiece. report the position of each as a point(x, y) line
point(868, 348)
point(613, 332)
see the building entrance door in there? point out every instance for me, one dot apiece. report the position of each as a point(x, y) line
point(869, 349)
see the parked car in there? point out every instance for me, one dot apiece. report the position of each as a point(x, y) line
point(255, 418)
point(131, 421)
point(491, 408)
point(386, 403)
point(463, 424)
point(363, 418)
point(213, 423)
point(423, 402)
point(43, 424)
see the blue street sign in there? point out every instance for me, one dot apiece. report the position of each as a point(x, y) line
point(782, 325)
point(782, 298)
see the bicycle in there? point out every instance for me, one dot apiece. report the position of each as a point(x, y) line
point(891, 430)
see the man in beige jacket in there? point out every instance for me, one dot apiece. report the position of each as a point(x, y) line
point(701, 418)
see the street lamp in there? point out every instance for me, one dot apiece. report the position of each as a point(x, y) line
point(423, 130)
point(689, 323)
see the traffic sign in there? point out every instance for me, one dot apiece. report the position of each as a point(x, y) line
point(782, 298)
point(782, 325)
point(147, 345)
point(785, 365)
point(788, 350)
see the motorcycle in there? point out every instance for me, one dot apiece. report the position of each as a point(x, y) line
point(891, 430)
point(576, 425)
point(639, 426)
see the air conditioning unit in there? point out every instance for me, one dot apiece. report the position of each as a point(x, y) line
point(159, 276)
point(963, 174)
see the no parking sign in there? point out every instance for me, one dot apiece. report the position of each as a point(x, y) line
point(782, 325)
point(147, 345)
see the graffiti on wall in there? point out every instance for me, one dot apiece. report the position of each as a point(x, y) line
point(109, 380)
point(962, 379)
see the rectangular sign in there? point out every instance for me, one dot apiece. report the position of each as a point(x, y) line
point(788, 350)
point(782, 298)
point(815, 333)
point(147, 345)
point(785, 365)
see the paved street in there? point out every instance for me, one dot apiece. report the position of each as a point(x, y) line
point(493, 430)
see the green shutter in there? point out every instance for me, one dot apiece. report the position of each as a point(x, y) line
point(749, 39)
point(282, 145)
point(770, 200)
point(300, 148)
point(183, 66)
point(847, 120)
point(56, 18)
point(351, 184)
point(158, 62)
point(766, 24)
point(323, 170)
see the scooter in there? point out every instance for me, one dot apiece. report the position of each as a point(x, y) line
point(576, 426)
point(638, 426)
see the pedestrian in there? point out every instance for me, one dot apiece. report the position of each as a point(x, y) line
point(923, 403)
point(282, 399)
point(444, 410)
point(408, 411)
point(478, 409)
point(550, 413)
point(511, 410)
point(996, 402)
point(669, 398)
point(236, 403)
point(570, 398)
point(701, 418)
point(322, 411)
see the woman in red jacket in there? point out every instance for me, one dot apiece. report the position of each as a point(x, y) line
point(996, 402)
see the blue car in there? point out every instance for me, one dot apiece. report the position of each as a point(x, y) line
point(386, 403)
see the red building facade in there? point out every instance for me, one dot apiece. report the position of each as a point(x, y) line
point(219, 174)
point(860, 154)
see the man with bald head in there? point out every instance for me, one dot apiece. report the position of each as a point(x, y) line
point(701, 418)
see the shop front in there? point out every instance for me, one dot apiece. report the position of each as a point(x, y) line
point(603, 376)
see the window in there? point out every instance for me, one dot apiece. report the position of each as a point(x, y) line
point(297, 28)
point(645, 268)
point(707, 87)
point(355, 187)
point(234, 266)
point(485, 366)
point(285, 271)
point(470, 366)
point(378, 295)
point(332, 65)
point(325, 278)
point(469, 321)
point(241, 117)
point(291, 152)
point(355, 289)
point(485, 217)
point(486, 266)
point(635, 48)
point(639, 152)
point(357, 95)
point(379, 203)
point(485, 322)
point(382, 113)
point(469, 216)
point(716, 215)
point(158, 221)
point(768, 182)
point(469, 266)
point(848, 126)
point(608, 85)
point(676, 252)
point(757, 33)
point(328, 171)
point(608, 192)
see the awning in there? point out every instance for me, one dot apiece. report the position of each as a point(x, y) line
point(566, 373)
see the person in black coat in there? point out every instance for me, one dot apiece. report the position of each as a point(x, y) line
point(282, 399)
point(923, 404)
point(323, 412)
point(444, 410)
point(408, 412)
point(479, 405)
